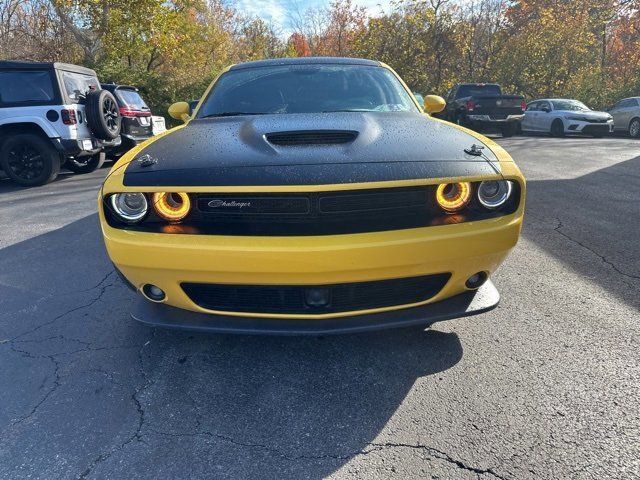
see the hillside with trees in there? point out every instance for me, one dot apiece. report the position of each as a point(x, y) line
point(585, 49)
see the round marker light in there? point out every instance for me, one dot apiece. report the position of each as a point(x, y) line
point(453, 197)
point(493, 194)
point(130, 207)
point(171, 206)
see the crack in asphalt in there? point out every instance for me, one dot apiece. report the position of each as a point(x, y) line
point(54, 387)
point(103, 288)
point(442, 456)
point(137, 435)
point(434, 452)
point(560, 225)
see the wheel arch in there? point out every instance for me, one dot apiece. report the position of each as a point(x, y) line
point(14, 128)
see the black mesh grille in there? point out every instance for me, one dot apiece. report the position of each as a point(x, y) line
point(288, 299)
point(312, 137)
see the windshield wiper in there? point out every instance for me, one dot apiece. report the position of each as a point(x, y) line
point(231, 114)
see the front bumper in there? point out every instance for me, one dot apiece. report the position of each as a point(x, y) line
point(468, 303)
point(588, 128)
point(168, 260)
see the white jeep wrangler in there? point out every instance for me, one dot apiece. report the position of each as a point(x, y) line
point(53, 115)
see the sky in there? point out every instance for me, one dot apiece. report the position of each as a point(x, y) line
point(279, 12)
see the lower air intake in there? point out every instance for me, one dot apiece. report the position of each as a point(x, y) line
point(315, 299)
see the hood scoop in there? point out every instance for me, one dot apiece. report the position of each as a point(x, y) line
point(311, 137)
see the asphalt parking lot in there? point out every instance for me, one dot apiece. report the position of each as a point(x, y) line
point(545, 386)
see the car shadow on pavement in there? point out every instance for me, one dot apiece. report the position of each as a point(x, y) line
point(592, 225)
point(88, 392)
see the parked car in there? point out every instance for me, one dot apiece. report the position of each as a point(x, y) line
point(482, 106)
point(305, 195)
point(53, 114)
point(137, 120)
point(559, 116)
point(626, 116)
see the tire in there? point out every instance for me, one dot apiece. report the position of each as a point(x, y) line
point(634, 128)
point(29, 160)
point(85, 164)
point(508, 130)
point(557, 128)
point(103, 116)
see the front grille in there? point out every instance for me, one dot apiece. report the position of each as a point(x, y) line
point(295, 299)
point(595, 129)
point(315, 213)
point(311, 137)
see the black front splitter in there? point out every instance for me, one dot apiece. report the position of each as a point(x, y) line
point(470, 303)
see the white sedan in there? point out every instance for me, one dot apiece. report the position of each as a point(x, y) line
point(560, 116)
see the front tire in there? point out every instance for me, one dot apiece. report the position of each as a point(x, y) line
point(634, 128)
point(29, 160)
point(85, 164)
point(557, 128)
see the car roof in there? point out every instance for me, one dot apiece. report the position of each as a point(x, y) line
point(28, 65)
point(306, 61)
point(115, 86)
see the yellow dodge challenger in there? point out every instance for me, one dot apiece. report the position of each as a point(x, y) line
point(311, 195)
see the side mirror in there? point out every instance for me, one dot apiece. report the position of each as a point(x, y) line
point(419, 99)
point(434, 104)
point(179, 111)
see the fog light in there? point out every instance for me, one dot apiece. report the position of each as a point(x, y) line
point(153, 293)
point(317, 297)
point(476, 280)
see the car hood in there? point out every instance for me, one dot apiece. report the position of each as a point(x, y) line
point(237, 151)
point(590, 115)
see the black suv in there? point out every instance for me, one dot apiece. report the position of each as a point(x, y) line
point(137, 124)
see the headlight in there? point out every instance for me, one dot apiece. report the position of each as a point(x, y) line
point(493, 194)
point(578, 119)
point(172, 206)
point(453, 197)
point(130, 207)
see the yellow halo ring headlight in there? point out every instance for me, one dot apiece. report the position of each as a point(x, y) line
point(171, 206)
point(453, 197)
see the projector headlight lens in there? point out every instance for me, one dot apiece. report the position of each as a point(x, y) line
point(453, 197)
point(130, 207)
point(172, 206)
point(493, 194)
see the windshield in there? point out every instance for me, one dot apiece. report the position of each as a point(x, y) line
point(306, 89)
point(571, 105)
point(477, 90)
point(77, 85)
point(131, 99)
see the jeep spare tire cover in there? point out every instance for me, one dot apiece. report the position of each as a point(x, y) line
point(102, 114)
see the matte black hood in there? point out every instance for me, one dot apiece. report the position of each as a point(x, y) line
point(235, 151)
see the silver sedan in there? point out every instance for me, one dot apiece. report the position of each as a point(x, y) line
point(626, 116)
point(559, 116)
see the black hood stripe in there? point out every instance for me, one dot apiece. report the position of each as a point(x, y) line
point(235, 151)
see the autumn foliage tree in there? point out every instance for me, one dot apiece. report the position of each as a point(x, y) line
point(171, 49)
